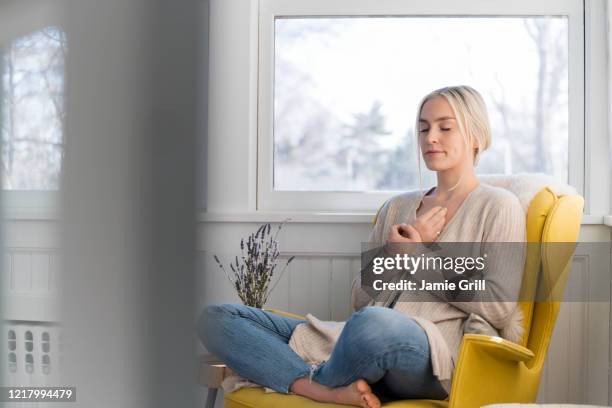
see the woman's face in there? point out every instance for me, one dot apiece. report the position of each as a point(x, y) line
point(441, 142)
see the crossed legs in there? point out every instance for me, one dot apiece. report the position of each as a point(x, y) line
point(378, 345)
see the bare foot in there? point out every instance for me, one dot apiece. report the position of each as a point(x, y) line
point(357, 393)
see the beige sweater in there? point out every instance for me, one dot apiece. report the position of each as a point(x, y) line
point(488, 215)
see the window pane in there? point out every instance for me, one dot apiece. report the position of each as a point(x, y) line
point(33, 110)
point(346, 92)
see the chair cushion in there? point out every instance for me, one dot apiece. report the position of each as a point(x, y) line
point(257, 398)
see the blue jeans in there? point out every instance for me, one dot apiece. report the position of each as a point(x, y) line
point(381, 345)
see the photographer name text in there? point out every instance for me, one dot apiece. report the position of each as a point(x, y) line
point(463, 284)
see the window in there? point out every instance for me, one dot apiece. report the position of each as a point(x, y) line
point(339, 84)
point(345, 99)
point(32, 114)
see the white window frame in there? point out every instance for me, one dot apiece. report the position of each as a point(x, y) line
point(270, 200)
point(597, 134)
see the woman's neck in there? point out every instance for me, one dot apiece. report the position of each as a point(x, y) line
point(452, 183)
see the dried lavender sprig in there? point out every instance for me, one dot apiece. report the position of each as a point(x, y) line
point(253, 283)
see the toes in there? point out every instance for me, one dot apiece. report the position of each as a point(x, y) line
point(367, 395)
point(368, 398)
point(363, 386)
point(371, 400)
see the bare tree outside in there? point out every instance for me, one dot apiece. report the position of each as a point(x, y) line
point(33, 115)
point(346, 90)
point(532, 135)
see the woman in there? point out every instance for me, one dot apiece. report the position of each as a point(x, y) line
point(392, 347)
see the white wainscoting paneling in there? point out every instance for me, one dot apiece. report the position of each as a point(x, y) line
point(31, 284)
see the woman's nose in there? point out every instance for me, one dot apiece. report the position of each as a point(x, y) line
point(431, 137)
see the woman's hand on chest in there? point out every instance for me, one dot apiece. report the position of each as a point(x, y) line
point(403, 233)
point(430, 223)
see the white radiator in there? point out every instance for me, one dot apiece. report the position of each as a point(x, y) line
point(33, 357)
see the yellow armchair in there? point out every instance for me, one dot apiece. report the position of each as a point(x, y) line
point(490, 369)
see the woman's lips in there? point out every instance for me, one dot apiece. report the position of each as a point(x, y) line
point(433, 152)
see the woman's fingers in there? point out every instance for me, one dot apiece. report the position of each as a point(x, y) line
point(438, 216)
point(441, 214)
point(394, 233)
point(403, 230)
point(431, 223)
point(413, 233)
point(438, 223)
point(403, 233)
point(432, 212)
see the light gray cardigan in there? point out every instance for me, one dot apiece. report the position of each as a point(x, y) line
point(488, 215)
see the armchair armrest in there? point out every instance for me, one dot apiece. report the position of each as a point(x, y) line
point(499, 347)
point(492, 370)
point(287, 314)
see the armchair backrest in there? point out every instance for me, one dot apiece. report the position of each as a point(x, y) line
point(554, 222)
point(537, 215)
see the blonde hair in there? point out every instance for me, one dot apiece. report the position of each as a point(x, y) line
point(471, 114)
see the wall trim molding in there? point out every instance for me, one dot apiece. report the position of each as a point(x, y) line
point(329, 217)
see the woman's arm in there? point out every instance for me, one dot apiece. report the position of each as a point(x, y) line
point(359, 297)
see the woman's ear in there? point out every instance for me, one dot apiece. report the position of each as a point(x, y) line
point(476, 155)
